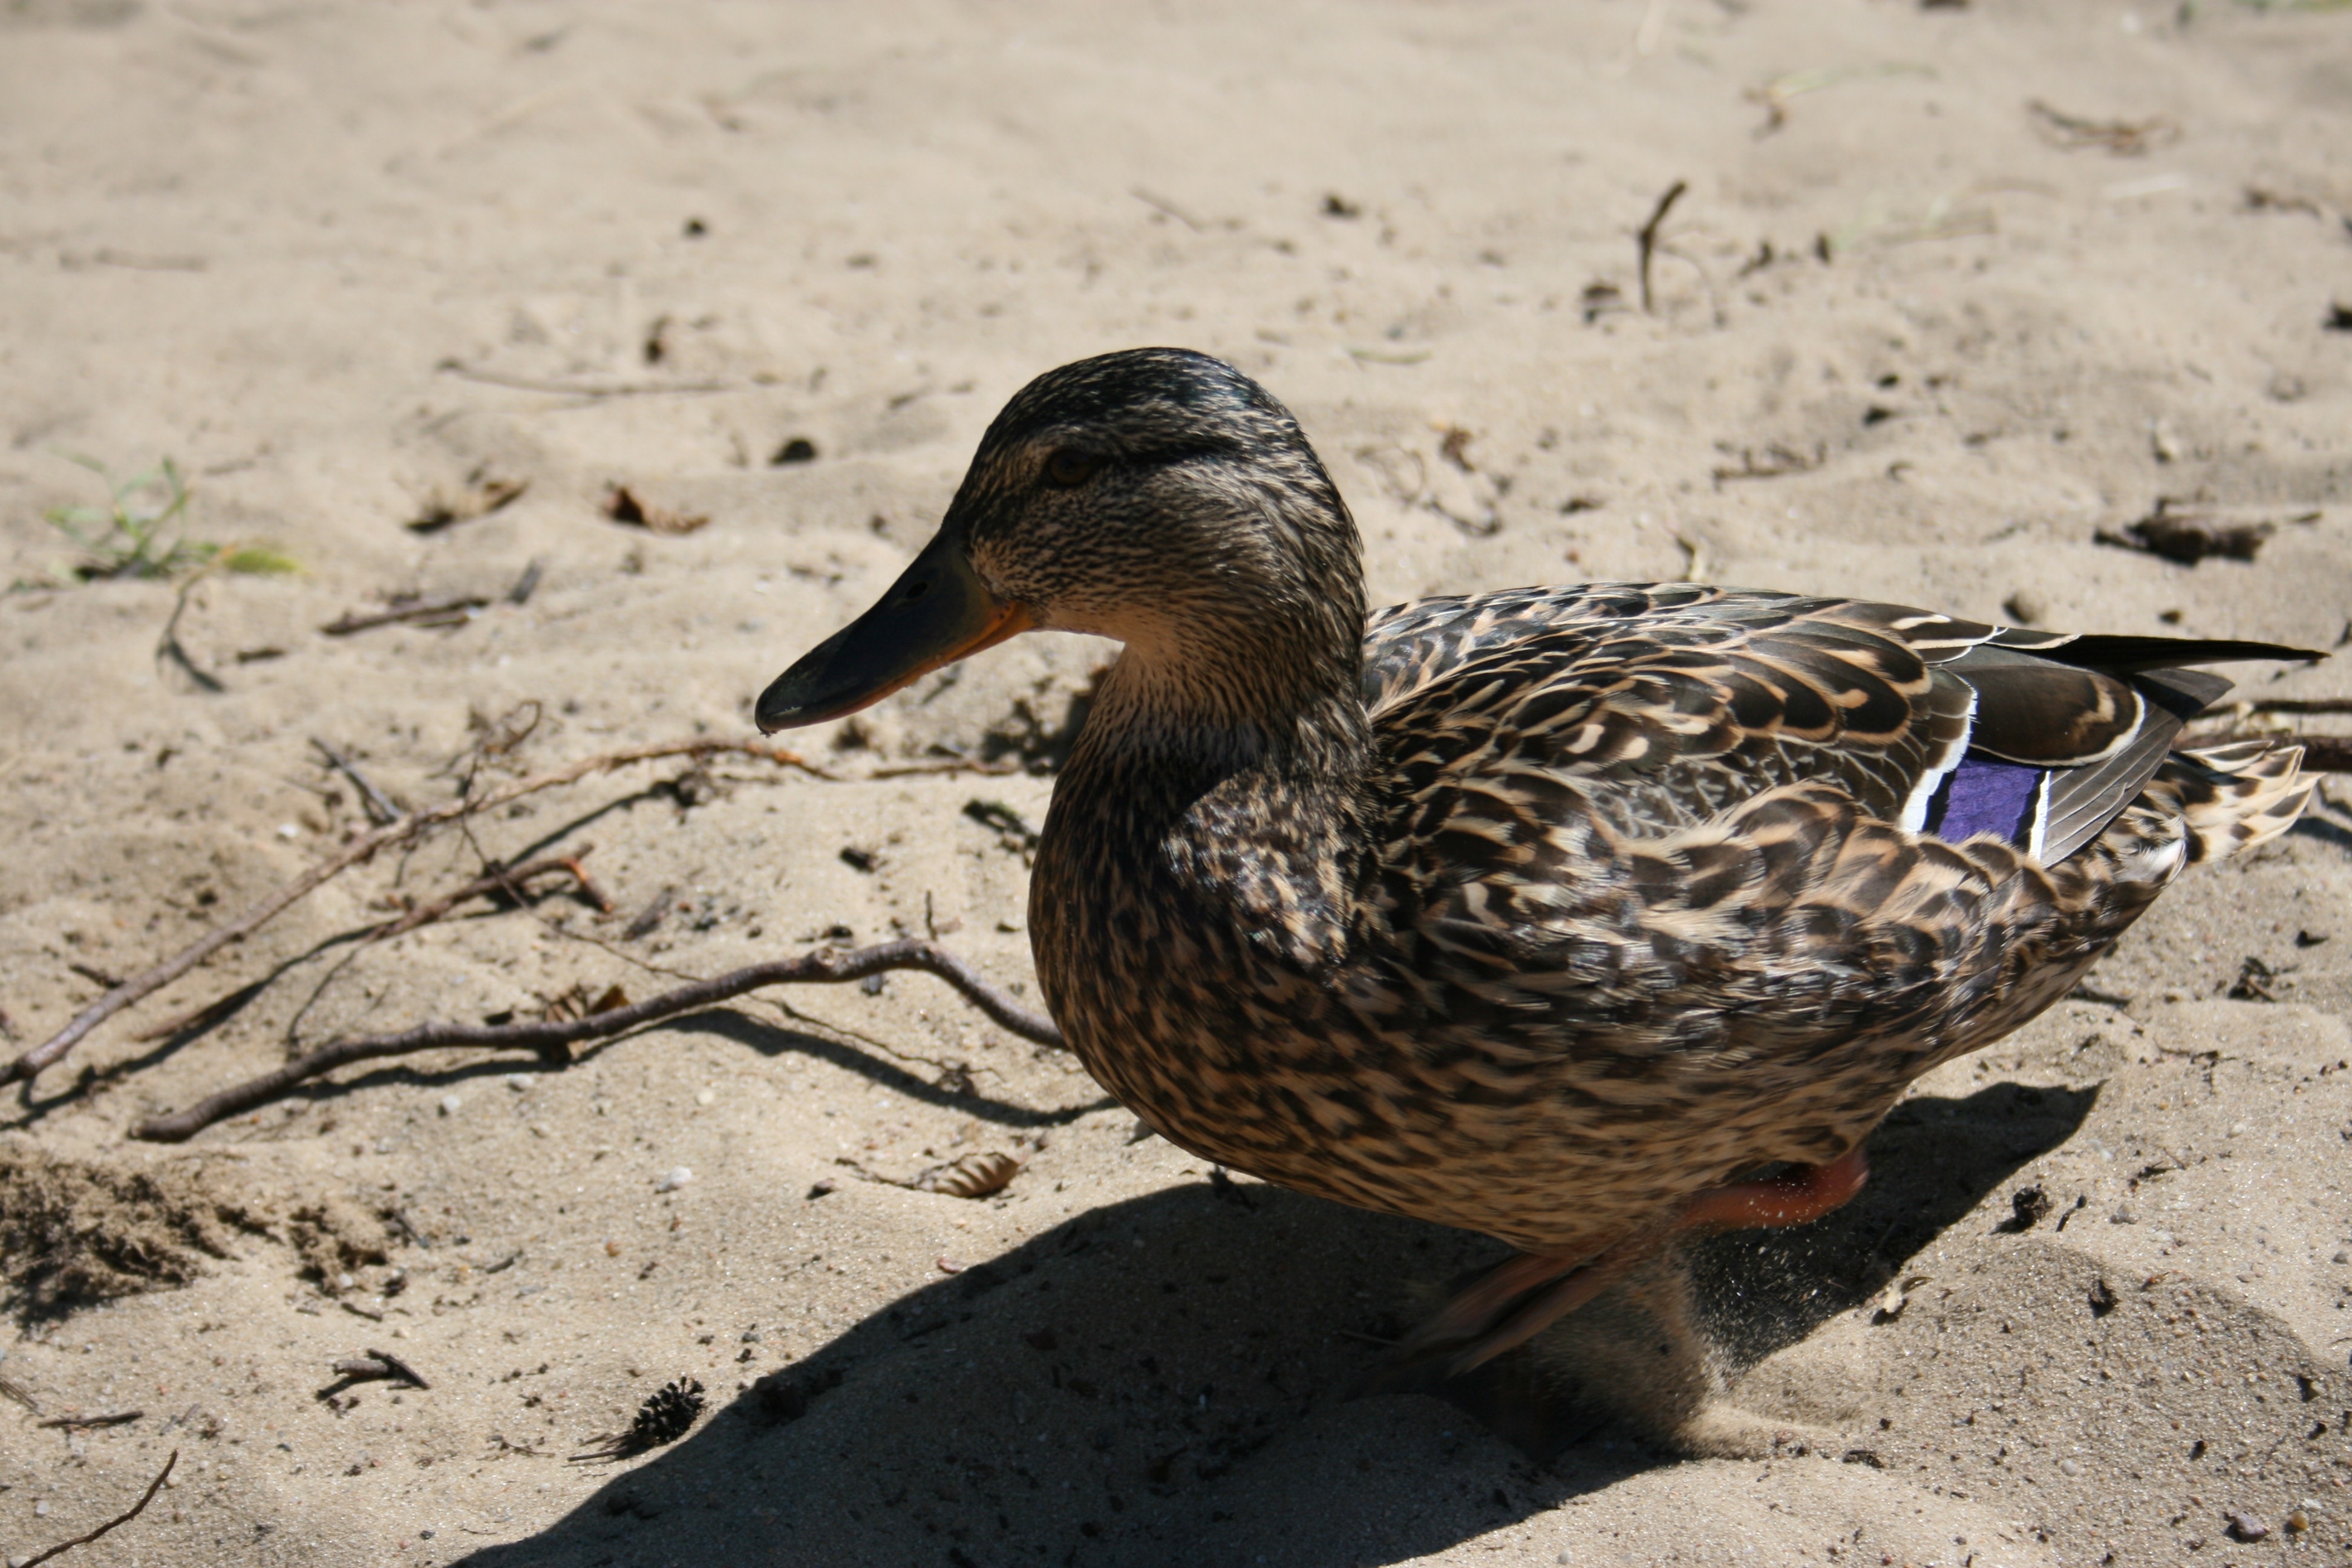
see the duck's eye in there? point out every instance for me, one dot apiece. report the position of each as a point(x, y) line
point(1068, 467)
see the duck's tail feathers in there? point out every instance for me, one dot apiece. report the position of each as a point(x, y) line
point(2234, 796)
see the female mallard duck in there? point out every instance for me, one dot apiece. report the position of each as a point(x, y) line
point(1546, 913)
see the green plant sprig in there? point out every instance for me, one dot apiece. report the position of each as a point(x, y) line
point(140, 531)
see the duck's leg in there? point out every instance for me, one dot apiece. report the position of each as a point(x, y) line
point(1472, 1310)
point(1525, 1294)
point(1794, 1197)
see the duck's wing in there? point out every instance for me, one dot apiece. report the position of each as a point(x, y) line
point(1663, 705)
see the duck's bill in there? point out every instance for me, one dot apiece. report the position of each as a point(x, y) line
point(937, 612)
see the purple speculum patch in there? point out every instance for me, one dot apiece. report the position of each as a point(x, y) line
point(1985, 794)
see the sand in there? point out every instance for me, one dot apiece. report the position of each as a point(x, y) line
point(350, 268)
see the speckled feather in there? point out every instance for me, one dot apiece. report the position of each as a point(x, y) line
point(1539, 911)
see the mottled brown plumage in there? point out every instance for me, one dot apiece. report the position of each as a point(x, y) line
point(1545, 912)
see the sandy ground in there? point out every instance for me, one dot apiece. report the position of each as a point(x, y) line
point(1909, 337)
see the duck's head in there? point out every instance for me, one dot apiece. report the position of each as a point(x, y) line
point(1155, 496)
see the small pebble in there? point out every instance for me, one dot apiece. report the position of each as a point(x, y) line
point(2297, 1522)
point(41, 1509)
point(2342, 1255)
point(673, 1179)
point(451, 1105)
point(520, 1082)
point(2246, 1527)
point(705, 1098)
point(2069, 1467)
point(2026, 607)
point(950, 1266)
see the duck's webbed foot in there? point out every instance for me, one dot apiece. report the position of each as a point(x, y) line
point(1517, 1299)
point(1794, 1197)
point(1524, 1294)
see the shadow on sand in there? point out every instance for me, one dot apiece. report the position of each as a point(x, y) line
point(1175, 1379)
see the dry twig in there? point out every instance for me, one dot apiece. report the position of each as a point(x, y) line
point(90, 1423)
point(1776, 461)
point(1647, 240)
point(168, 648)
point(449, 612)
point(381, 807)
point(137, 1508)
point(584, 389)
point(406, 830)
point(506, 879)
point(553, 1038)
point(2124, 138)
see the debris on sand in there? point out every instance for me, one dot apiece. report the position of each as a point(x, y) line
point(74, 1233)
point(2189, 537)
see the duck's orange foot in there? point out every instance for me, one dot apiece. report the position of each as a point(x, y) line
point(1525, 1294)
point(1795, 1197)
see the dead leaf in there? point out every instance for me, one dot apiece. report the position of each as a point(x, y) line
point(2189, 537)
point(623, 505)
point(481, 494)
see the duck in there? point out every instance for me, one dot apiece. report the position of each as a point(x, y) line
point(1588, 917)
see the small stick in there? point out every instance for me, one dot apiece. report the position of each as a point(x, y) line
point(464, 605)
point(650, 916)
point(86, 1422)
point(508, 880)
point(588, 890)
point(950, 765)
point(826, 966)
point(381, 808)
point(167, 646)
point(407, 829)
point(608, 389)
point(1161, 203)
point(136, 1510)
point(1648, 239)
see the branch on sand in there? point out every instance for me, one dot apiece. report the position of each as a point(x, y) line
point(406, 830)
point(553, 1038)
point(62, 1547)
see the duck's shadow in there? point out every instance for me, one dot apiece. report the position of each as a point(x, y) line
point(1169, 1380)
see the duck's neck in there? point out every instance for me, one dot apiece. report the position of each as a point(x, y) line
point(1228, 769)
